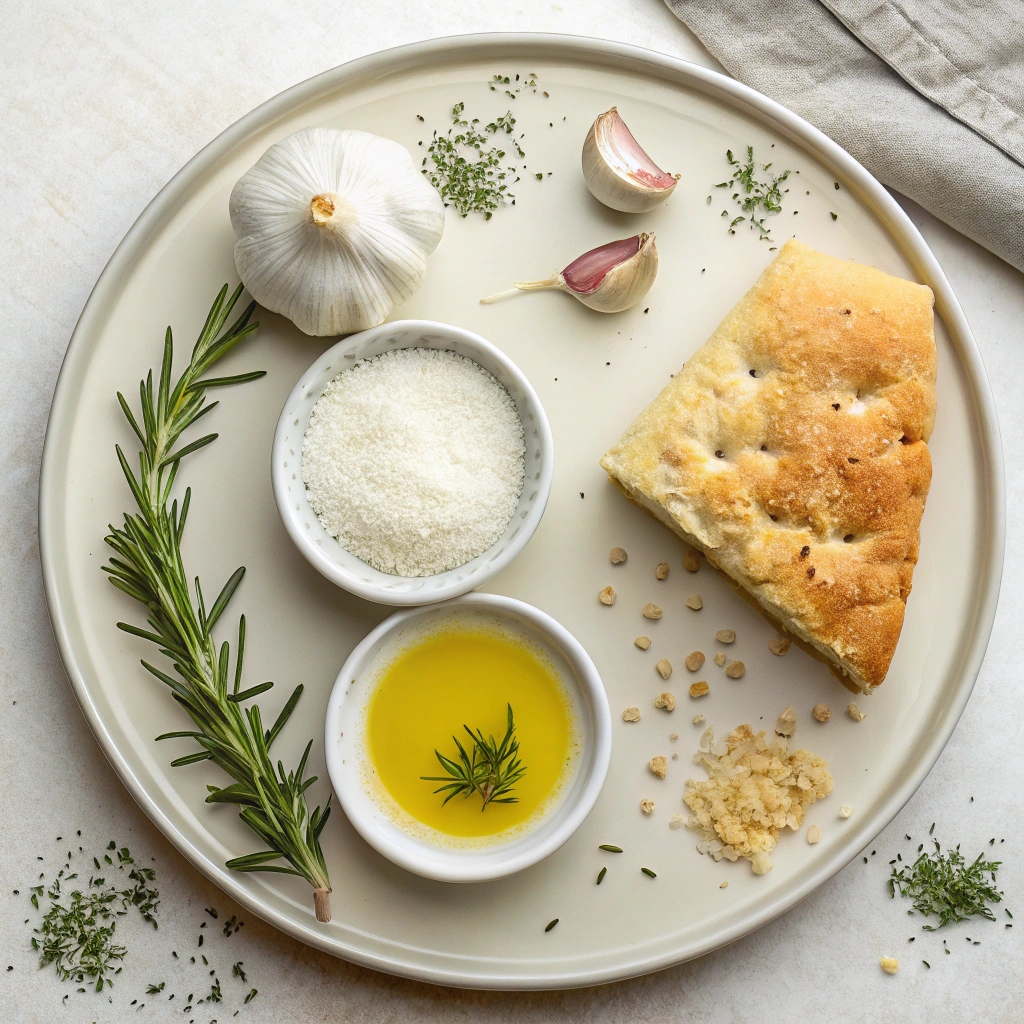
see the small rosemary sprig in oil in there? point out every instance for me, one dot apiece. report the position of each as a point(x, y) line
point(752, 195)
point(944, 885)
point(490, 770)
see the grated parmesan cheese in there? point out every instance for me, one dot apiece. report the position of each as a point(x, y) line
point(414, 460)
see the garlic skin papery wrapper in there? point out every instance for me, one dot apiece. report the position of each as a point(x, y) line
point(618, 172)
point(610, 278)
point(333, 227)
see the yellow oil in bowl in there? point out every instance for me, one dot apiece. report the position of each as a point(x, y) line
point(468, 677)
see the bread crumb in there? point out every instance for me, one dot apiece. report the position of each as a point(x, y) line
point(661, 571)
point(845, 811)
point(646, 805)
point(691, 561)
point(617, 556)
point(695, 660)
point(695, 602)
point(651, 611)
point(785, 727)
point(735, 669)
point(676, 821)
point(726, 636)
point(699, 689)
point(779, 645)
point(720, 658)
point(814, 835)
point(855, 712)
point(664, 668)
point(659, 766)
point(754, 789)
point(607, 596)
point(631, 715)
point(698, 719)
point(822, 712)
point(643, 642)
point(724, 884)
point(889, 964)
point(665, 701)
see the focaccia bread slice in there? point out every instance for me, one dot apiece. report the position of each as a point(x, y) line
point(791, 450)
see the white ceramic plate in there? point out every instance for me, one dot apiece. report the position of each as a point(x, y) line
point(593, 373)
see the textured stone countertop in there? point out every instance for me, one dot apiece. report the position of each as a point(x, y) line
point(100, 103)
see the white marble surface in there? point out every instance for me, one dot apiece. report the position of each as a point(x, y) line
point(100, 103)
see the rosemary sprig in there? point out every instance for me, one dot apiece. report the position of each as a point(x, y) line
point(148, 567)
point(491, 770)
point(946, 886)
point(751, 194)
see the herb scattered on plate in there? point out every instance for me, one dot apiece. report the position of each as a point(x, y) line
point(752, 194)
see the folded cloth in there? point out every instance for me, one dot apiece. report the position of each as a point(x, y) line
point(927, 94)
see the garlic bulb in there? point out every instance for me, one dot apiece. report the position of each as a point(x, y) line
point(618, 172)
point(610, 278)
point(333, 227)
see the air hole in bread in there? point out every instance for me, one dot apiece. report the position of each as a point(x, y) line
point(848, 539)
point(852, 460)
point(719, 454)
point(835, 405)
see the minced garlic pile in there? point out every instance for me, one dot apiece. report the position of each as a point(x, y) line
point(756, 788)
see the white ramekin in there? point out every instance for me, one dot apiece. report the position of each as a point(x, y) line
point(324, 552)
point(352, 773)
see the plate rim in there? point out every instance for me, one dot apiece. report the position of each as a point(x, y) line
point(615, 54)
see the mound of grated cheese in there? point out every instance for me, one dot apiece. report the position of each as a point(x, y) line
point(414, 460)
point(755, 789)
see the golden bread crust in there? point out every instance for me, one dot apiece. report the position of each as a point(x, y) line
point(804, 482)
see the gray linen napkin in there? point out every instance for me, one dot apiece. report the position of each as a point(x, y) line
point(927, 94)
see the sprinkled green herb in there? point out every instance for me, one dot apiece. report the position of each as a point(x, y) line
point(152, 990)
point(469, 169)
point(944, 885)
point(512, 88)
point(834, 216)
point(606, 847)
point(928, 965)
point(649, 872)
point(551, 924)
point(601, 874)
point(251, 996)
point(752, 195)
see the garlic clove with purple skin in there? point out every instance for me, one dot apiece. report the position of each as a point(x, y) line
point(617, 170)
point(610, 278)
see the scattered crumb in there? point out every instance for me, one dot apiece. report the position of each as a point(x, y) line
point(695, 602)
point(651, 611)
point(659, 766)
point(726, 636)
point(785, 727)
point(699, 689)
point(735, 669)
point(661, 571)
point(755, 788)
point(673, 736)
point(617, 556)
point(779, 645)
point(695, 660)
point(845, 811)
point(664, 668)
point(666, 702)
point(631, 715)
point(889, 964)
point(607, 596)
point(855, 712)
point(646, 805)
point(698, 719)
point(691, 561)
point(720, 659)
point(814, 835)
point(675, 757)
point(643, 642)
point(676, 821)
point(822, 712)
point(724, 884)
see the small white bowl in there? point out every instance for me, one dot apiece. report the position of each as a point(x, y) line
point(323, 551)
point(362, 796)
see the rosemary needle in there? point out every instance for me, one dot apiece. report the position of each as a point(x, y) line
point(649, 872)
point(610, 849)
point(551, 924)
point(148, 566)
point(601, 874)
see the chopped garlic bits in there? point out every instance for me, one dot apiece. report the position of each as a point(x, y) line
point(755, 788)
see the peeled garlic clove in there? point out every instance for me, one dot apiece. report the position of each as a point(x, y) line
point(333, 227)
point(618, 172)
point(610, 278)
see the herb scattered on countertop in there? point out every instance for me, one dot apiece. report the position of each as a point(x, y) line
point(491, 770)
point(753, 195)
point(944, 885)
point(148, 567)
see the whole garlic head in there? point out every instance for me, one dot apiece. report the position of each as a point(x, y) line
point(333, 227)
